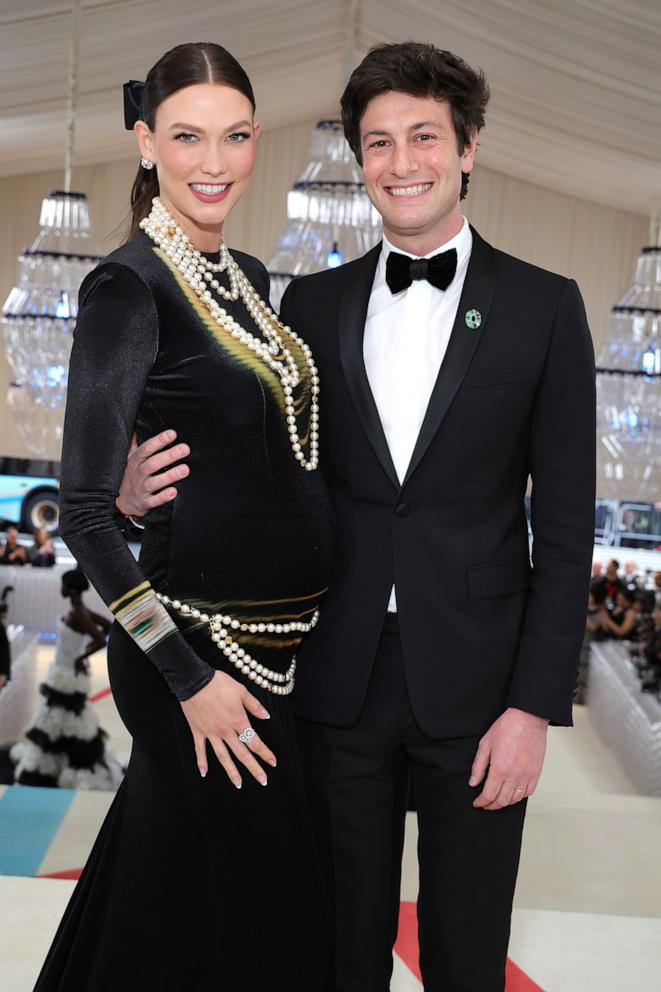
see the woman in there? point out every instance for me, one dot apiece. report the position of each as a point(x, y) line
point(201, 878)
point(65, 746)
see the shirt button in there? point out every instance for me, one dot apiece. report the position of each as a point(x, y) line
point(402, 510)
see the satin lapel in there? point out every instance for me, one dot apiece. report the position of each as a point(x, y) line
point(353, 313)
point(476, 294)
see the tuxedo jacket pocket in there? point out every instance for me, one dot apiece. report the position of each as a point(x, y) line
point(499, 578)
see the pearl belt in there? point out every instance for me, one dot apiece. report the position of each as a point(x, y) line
point(279, 683)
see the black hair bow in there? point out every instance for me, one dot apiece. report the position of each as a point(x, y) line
point(133, 93)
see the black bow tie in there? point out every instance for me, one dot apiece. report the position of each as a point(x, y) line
point(439, 270)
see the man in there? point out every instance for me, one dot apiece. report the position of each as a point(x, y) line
point(449, 372)
point(42, 552)
point(632, 576)
point(611, 582)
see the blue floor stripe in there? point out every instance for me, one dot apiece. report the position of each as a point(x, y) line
point(29, 819)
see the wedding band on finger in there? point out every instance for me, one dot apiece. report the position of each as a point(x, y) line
point(519, 790)
point(247, 736)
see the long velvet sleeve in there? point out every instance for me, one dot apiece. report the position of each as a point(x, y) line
point(115, 345)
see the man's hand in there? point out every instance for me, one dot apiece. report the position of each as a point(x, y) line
point(148, 476)
point(513, 750)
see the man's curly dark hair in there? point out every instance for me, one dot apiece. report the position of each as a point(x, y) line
point(420, 70)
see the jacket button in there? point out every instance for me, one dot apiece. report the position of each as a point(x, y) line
point(402, 510)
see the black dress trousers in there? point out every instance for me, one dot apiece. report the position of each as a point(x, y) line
point(358, 780)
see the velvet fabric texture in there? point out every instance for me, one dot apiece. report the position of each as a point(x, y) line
point(192, 884)
point(249, 527)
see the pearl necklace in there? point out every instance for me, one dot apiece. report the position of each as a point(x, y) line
point(279, 683)
point(200, 274)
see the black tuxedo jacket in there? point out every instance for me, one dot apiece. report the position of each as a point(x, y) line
point(481, 629)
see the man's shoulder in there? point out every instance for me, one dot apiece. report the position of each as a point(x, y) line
point(332, 280)
point(527, 273)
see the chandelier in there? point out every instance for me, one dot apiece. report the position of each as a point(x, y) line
point(629, 388)
point(39, 317)
point(330, 218)
point(40, 311)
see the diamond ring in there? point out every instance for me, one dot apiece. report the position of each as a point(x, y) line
point(247, 736)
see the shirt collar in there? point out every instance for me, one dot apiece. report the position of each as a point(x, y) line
point(462, 241)
point(381, 298)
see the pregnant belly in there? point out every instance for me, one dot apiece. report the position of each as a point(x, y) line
point(266, 546)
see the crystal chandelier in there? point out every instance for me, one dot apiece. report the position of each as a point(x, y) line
point(629, 388)
point(40, 311)
point(39, 316)
point(330, 218)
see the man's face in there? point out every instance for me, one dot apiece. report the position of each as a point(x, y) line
point(412, 168)
point(611, 571)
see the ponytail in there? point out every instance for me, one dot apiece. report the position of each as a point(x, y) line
point(145, 188)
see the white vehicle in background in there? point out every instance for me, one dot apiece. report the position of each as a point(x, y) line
point(628, 525)
point(623, 525)
point(29, 493)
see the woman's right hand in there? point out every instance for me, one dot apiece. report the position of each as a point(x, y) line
point(218, 714)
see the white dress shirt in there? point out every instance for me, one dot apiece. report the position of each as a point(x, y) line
point(406, 337)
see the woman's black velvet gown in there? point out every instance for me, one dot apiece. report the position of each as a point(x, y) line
point(192, 885)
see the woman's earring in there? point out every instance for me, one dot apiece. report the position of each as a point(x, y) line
point(146, 163)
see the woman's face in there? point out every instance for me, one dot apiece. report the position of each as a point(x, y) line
point(621, 600)
point(203, 145)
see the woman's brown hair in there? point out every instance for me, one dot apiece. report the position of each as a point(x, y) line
point(184, 65)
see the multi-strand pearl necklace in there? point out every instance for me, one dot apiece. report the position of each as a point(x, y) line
point(200, 274)
point(279, 683)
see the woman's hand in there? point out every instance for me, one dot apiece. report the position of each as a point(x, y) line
point(218, 714)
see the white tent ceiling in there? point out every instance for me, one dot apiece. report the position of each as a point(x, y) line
point(576, 84)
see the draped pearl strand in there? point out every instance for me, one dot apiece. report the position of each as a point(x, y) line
point(279, 683)
point(200, 274)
